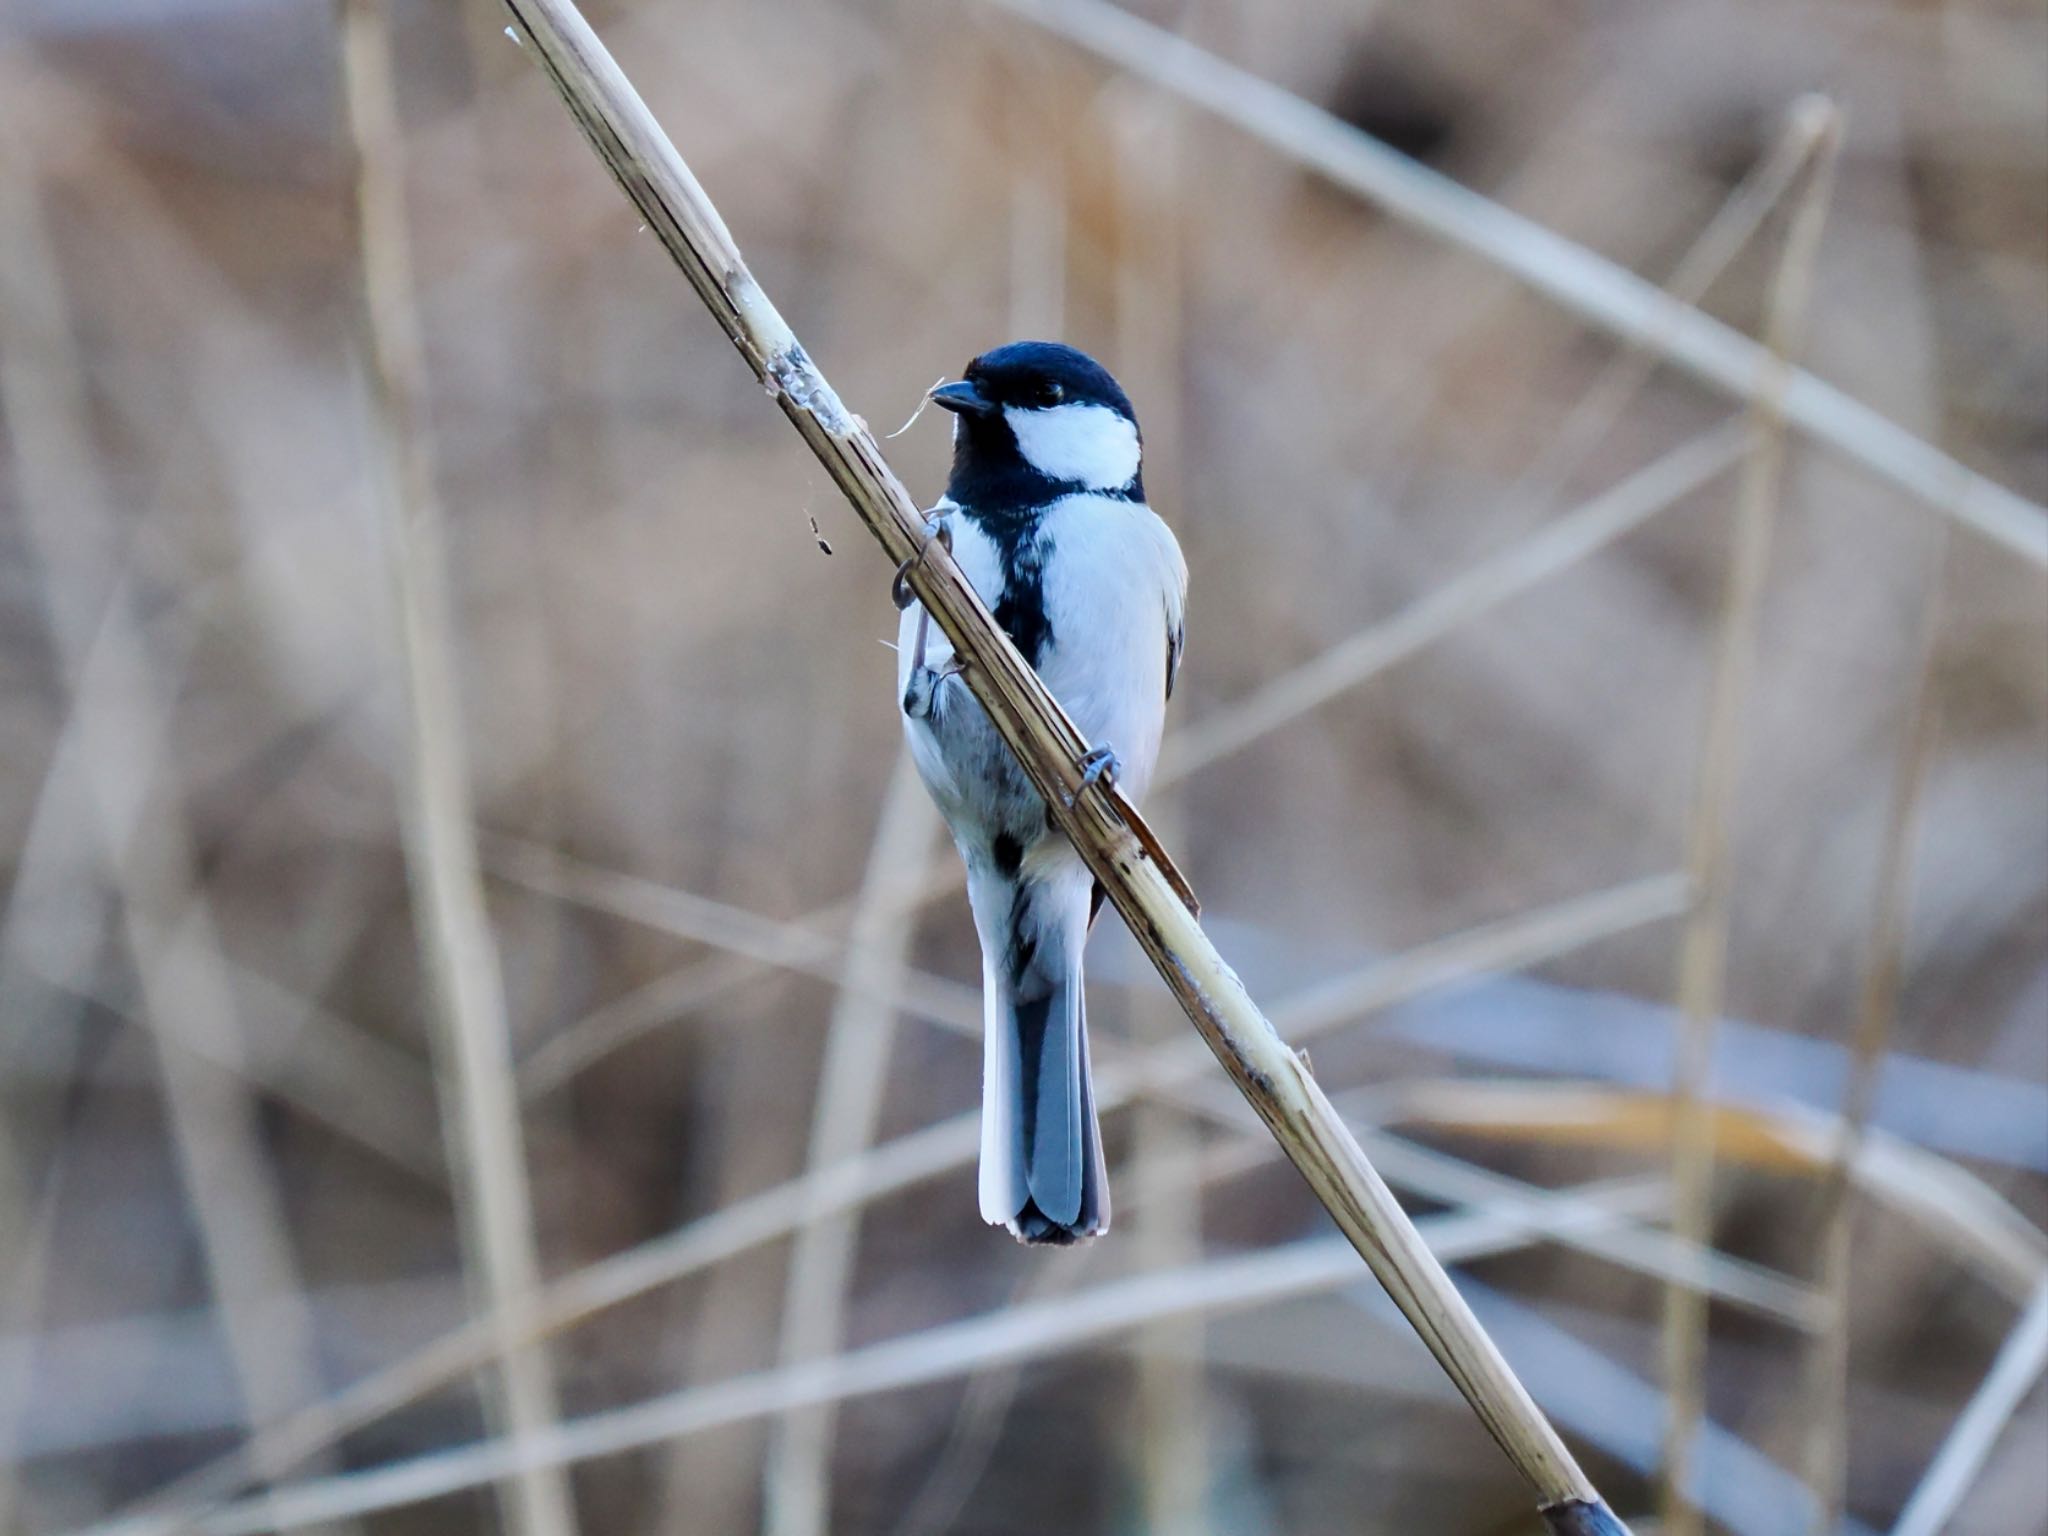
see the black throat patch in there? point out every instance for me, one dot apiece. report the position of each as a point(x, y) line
point(1024, 548)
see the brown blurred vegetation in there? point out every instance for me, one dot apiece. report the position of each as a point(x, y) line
point(663, 678)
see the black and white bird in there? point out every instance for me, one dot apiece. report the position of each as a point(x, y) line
point(1046, 514)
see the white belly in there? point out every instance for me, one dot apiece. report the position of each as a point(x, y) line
point(1112, 581)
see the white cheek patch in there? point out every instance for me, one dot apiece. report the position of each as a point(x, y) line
point(1088, 444)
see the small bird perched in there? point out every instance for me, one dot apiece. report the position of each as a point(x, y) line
point(1046, 514)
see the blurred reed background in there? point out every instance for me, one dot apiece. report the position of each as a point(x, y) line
point(281, 320)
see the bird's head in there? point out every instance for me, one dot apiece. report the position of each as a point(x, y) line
point(1035, 420)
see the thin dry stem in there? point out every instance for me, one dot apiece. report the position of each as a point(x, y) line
point(1588, 285)
point(938, 1149)
point(1958, 1212)
point(858, 1045)
point(1016, 1333)
point(1877, 1010)
point(1948, 1480)
point(472, 1045)
point(1550, 550)
point(125, 817)
point(1709, 854)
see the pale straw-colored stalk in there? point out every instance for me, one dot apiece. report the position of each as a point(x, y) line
point(859, 1042)
point(119, 815)
point(466, 1002)
point(1827, 1438)
point(1703, 950)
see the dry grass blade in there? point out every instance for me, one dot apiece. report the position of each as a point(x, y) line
point(1827, 1447)
point(473, 1047)
point(910, 1160)
point(1958, 1211)
point(1586, 284)
point(1703, 952)
point(851, 1082)
point(1550, 550)
point(1027, 1332)
point(2021, 1359)
point(126, 822)
point(790, 946)
point(633, 146)
point(1451, 1180)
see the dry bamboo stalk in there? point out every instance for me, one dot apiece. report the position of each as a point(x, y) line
point(937, 1149)
point(1709, 855)
point(466, 997)
point(1827, 1440)
point(1586, 284)
point(637, 152)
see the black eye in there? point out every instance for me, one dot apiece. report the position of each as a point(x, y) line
point(1049, 392)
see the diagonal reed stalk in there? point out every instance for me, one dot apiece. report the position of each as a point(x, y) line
point(1703, 951)
point(466, 996)
point(1106, 833)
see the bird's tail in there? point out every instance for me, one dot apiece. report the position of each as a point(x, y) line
point(1042, 1172)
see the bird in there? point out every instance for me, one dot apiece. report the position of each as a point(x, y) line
point(1045, 512)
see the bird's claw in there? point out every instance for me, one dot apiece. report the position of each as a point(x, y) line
point(899, 584)
point(1099, 765)
point(921, 691)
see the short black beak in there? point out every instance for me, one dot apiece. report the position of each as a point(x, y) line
point(963, 397)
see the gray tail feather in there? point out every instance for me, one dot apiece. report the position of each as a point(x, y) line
point(1056, 1141)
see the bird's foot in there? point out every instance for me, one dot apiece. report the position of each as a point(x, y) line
point(1099, 765)
point(899, 585)
point(921, 690)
